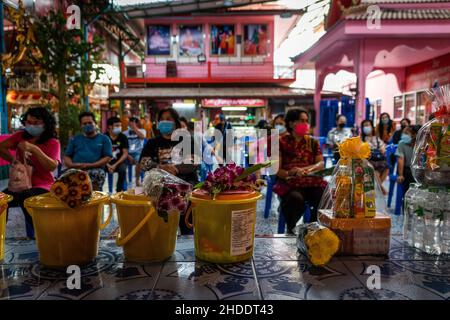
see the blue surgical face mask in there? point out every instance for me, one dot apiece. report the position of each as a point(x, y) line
point(166, 127)
point(385, 121)
point(88, 128)
point(34, 130)
point(281, 129)
point(367, 130)
point(116, 131)
point(406, 138)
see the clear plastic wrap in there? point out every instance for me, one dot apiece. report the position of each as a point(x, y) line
point(166, 191)
point(73, 188)
point(353, 191)
point(430, 164)
point(317, 242)
point(353, 205)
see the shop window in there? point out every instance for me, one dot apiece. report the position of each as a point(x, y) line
point(421, 110)
point(410, 107)
point(398, 107)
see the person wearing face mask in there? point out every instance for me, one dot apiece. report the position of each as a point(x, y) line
point(36, 145)
point(300, 157)
point(279, 124)
point(89, 151)
point(404, 155)
point(222, 125)
point(135, 136)
point(385, 129)
point(405, 122)
point(378, 152)
point(120, 147)
point(157, 153)
point(337, 135)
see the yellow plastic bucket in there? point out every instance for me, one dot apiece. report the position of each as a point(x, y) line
point(144, 236)
point(67, 236)
point(224, 228)
point(3, 210)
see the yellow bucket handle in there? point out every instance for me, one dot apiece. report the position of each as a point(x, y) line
point(186, 217)
point(122, 241)
point(104, 224)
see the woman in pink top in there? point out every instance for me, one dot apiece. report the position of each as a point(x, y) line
point(38, 142)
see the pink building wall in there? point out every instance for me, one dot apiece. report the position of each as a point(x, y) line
point(223, 66)
point(382, 86)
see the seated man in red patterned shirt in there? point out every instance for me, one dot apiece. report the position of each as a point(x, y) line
point(300, 156)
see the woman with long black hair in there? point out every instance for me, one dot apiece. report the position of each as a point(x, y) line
point(38, 147)
point(386, 128)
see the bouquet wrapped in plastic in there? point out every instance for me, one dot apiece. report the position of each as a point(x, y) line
point(430, 164)
point(317, 242)
point(74, 188)
point(166, 191)
point(353, 191)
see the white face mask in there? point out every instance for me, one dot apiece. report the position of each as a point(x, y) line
point(367, 130)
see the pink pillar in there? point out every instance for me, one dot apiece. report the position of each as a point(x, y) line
point(363, 65)
point(320, 78)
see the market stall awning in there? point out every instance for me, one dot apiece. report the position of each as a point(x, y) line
point(209, 93)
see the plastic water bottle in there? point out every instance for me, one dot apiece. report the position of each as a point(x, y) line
point(433, 220)
point(408, 212)
point(418, 221)
point(445, 229)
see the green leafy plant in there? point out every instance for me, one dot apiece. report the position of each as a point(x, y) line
point(63, 56)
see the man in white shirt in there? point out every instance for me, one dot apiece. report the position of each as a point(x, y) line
point(337, 135)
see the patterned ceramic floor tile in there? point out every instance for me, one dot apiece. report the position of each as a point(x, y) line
point(20, 251)
point(111, 282)
point(403, 251)
point(20, 282)
point(417, 280)
point(199, 280)
point(276, 249)
point(300, 280)
point(184, 251)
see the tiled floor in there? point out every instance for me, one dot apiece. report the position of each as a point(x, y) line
point(277, 271)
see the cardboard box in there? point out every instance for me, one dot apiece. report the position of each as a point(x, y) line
point(360, 236)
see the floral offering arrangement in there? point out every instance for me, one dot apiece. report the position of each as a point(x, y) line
point(231, 177)
point(167, 192)
point(317, 242)
point(74, 188)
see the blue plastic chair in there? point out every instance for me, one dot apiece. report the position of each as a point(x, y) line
point(390, 150)
point(326, 151)
point(282, 220)
point(399, 199)
point(269, 194)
